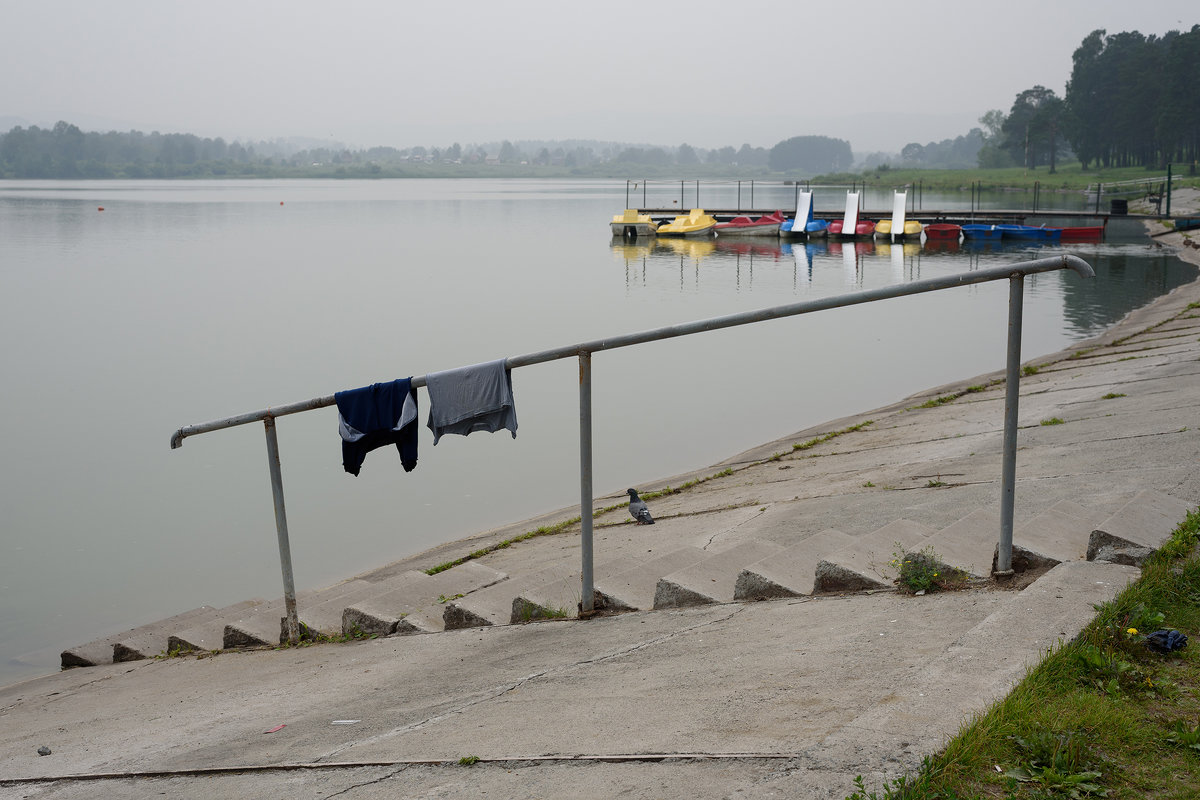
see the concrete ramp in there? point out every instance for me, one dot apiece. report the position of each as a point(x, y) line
point(969, 544)
point(149, 641)
point(790, 572)
point(561, 598)
point(982, 664)
point(865, 563)
point(1058, 534)
point(494, 605)
point(415, 602)
point(634, 588)
point(1139, 527)
point(144, 641)
point(712, 580)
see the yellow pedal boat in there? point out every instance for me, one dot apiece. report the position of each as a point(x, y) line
point(632, 225)
point(696, 223)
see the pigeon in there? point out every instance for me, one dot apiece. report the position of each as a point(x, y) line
point(638, 510)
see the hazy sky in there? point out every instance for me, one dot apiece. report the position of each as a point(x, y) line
point(368, 72)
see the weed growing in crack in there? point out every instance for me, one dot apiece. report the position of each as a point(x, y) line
point(924, 571)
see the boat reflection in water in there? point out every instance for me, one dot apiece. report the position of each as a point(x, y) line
point(777, 271)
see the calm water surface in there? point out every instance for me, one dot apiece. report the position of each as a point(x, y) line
point(190, 301)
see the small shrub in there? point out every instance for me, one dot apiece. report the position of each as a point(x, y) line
point(924, 571)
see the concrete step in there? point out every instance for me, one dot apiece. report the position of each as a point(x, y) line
point(866, 563)
point(322, 614)
point(210, 634)
point(151, 640)
point(415, 602)
point(1058, 534)
point(494, 605)
point(968, 544)
point(984, 663)
point(712, 580)
point(633, 588)
point(260, 626)
point(561, 597)
point(102, 651)
point(792, 571)
point(1138, 528)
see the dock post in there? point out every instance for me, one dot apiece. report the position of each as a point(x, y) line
point(1168, 188)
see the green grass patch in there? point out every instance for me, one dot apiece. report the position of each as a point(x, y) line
point(1052, 421)
point(1112, 395)
point(934, 402)
point(816, 440)
point(1100, 716)
point(1030, 369)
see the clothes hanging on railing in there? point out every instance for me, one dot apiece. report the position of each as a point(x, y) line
point(469, 399)
point(375, 416)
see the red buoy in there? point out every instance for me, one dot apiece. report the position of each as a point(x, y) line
point(100, 208)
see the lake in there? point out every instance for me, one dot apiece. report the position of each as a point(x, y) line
point(183, 302)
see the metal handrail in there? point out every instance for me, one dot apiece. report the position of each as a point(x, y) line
point(1015, 273)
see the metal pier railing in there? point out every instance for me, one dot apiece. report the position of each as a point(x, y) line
point(1014, 273)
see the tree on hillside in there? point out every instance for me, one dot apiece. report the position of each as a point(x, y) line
point(686, 155)
point(1032, 129)
point(991, 154)
point(811, 155)
point(752, 156)
point(724, 155)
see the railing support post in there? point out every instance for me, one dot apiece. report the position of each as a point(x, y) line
point(1012, 396)
point(285, 549)
point(587, 601)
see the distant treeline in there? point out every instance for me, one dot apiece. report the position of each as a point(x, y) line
point(65, 151)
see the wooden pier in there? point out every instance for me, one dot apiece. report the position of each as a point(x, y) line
point(926, 216)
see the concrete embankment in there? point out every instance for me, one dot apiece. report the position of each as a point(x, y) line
point(699, 692)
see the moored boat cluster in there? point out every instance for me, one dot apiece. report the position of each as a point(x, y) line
point(803, 225)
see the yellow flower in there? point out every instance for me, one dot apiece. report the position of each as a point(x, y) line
point(935, 574)
point(1131, 631)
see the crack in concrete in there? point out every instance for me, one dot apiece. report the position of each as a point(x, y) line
point(361, 784)
point(499, 691)
point(734, 528)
